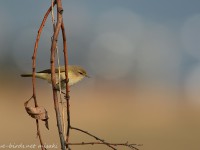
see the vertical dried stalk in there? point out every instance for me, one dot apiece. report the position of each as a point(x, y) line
point(67, 87)
point(53, 76)
point(58, 62)
point(33, 71)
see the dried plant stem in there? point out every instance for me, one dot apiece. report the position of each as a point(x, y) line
point(67, 87)
point(132, 146)
point(53, 75)
point(39, 135)
point(33, 71)
point(59, 81)
point(86, 132)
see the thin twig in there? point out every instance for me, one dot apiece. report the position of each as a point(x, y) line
point(86, 132)
point(39, 135)
point(34, 68)
point(53, 76)
point(132, 146)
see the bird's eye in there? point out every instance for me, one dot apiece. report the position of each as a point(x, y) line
point(81, 73)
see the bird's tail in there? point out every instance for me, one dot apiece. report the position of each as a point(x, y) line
point(43, 76)
point(26, 75)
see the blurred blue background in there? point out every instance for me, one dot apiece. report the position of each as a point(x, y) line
point(154, 42)
point(146, 52)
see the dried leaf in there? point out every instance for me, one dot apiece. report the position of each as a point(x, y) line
point(39, 113)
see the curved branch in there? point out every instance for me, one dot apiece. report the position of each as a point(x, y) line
point(33, 70)
point(53, 75)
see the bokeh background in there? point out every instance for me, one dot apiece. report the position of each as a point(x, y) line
point(144, 60)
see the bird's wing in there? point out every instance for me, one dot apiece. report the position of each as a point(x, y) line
point(45, 71)
point(49, 71)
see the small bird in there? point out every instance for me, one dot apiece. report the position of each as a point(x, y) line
point(75, 74)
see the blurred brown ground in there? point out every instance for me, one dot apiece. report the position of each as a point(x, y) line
point(118, 112)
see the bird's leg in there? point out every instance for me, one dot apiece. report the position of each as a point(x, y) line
point(63, 92)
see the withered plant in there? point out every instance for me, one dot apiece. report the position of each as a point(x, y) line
point(40, 113)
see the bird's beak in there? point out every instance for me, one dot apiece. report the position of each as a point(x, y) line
point(87, 76)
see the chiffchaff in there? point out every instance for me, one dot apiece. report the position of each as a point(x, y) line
point(75, 74)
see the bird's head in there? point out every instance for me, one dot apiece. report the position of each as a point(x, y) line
point(76, 73)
